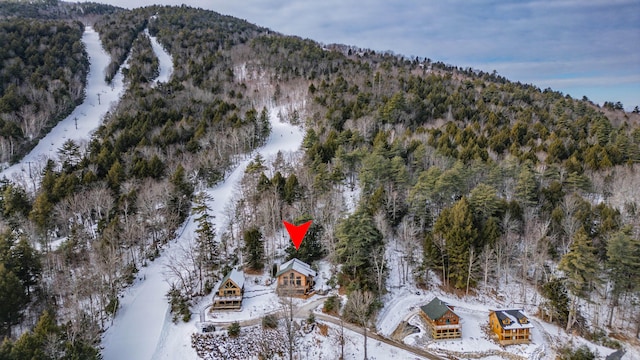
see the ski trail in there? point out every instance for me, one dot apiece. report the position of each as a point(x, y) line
point(143, 328)
point(81, 123)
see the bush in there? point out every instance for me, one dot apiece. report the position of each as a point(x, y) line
point(331, 305)
point(581, 353)
point(112, 306)
point(130, 273)
point(270, 321)
point(311, 319)
point(234, 329)
point(179, 305)
point(208, 287)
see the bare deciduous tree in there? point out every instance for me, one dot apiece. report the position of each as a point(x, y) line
point(359, 307)
point(289, 325)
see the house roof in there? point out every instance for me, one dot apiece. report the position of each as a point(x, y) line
point(514, 316)
point(436, 309)
point(235, 275)
point(298, 266)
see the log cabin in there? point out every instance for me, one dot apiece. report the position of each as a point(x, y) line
point(295, 278)
point(228, 295)
point(511, 326)
point(442, 321)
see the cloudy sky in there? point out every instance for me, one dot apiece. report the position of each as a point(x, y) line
point(579, 47)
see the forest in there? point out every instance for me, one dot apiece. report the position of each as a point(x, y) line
point(481, 180)
point(44, 69)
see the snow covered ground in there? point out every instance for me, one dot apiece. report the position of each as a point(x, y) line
point(143, 329)
point(164, 58)
point(259, 299)
point(99, 99)
point(310, 343)
point(404, 304)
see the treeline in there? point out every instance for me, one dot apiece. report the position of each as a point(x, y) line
point(41, 81)
point(52, 10)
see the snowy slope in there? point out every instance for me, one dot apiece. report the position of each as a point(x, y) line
point(164, 58)
point(143, 328)
point(89, 114)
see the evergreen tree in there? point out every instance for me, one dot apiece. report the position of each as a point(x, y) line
point(580, 266)
point(254, 248)
point(292, 190)
point(12, 300)
point(69, 155)
point(558, 303)
point(623, 262)
point(25, 263)
point(265, 125)
point(484, 201)
point(13, 201)
point(357, 235)
point(180, 197)
point(455, 225)
point(115, 176)
point(41, 213)
point(311, 247)
point(207, 248)
point(527, 187)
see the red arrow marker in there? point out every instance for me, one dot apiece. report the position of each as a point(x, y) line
point(297, 233)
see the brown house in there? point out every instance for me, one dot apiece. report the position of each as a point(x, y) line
point(295, 278)
point(511, 326)
point(229, 293)
point(442, 321)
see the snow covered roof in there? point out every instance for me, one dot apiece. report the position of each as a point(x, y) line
point(436, 309)
point(511, 319)
point(235, 275)
point(297, 266)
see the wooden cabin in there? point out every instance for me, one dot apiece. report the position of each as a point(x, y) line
point(295, 278)
point(229, 293)
point(511, 326)
point(442, 321)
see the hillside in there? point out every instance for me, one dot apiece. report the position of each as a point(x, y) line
point(420, 177)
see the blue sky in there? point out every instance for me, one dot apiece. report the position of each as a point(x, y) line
point(579, 47)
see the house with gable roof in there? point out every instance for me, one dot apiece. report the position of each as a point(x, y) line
point(295, 278)
point(229, 293)
point(511, 326)
point(442, 321)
